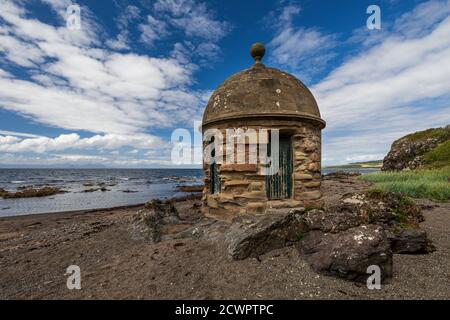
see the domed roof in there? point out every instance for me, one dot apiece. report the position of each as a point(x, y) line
point(261, 91)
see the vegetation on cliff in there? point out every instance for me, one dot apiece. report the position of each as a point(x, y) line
point(439, 156)
point(423, 149)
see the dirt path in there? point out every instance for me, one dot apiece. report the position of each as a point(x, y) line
point(36, 250)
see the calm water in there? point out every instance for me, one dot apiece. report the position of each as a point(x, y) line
point(125, 187)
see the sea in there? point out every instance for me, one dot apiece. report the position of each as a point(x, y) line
point(124, 187)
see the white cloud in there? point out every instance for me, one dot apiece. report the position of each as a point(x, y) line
point(153, 30)
point(193, 18)
point(128, 15)
point(12, 144)
point(305, 51)
point(193, 21)
point(397, 86)
point(82, 86)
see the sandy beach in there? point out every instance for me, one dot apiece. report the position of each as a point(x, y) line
point(35, 251)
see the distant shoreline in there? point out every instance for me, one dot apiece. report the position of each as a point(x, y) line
point(375, 164)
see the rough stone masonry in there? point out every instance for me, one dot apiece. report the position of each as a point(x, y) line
point(263, 98)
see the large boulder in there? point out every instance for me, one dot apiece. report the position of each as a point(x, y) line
point(360, 230)
point(398, 215)
point(387, 208)
point(146, 223)
point(254, 235)
point(333, 221)
point(348, 254)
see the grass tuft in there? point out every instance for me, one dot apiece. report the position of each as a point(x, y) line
point(430, 184)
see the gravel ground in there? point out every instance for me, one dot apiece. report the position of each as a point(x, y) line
point(35, 251)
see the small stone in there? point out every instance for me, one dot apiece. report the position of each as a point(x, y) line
point(314, 156)
point(212, 202)
point(314, 166)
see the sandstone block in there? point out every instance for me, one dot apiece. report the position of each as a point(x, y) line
point(256, 207)
point(238, 167)
point(310, 195)
point(312, 184)
point(256, 186)
point(314, 166)
point(212, 202)
point(231, 183)
point(252, 195)
point(302, 176)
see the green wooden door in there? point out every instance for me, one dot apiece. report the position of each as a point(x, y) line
point(215, 180)
point(279, 185)
point(214, 174)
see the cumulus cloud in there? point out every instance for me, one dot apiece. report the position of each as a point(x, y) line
point(76, 83)
point(84, 87)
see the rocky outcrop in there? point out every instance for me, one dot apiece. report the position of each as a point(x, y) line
point(253, 235)
point(360, 230)
point(344, 239)
point(398, 215)
point(31, 192)
point(146, 223)
point(348, 254)
point(390, 209)
point(408, 153)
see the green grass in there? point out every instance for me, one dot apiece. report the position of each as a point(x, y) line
point(439, 156)
point(441, 134)
point(430, 184)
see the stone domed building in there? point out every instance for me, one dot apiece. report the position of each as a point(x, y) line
point(262, 98)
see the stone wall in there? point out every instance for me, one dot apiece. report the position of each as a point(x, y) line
point(243, 189)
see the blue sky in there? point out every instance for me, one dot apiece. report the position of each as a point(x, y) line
point(112, 92)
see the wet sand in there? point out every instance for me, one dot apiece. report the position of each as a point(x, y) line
point(35, 251)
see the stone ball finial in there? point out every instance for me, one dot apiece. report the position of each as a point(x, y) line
point(257, 51)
